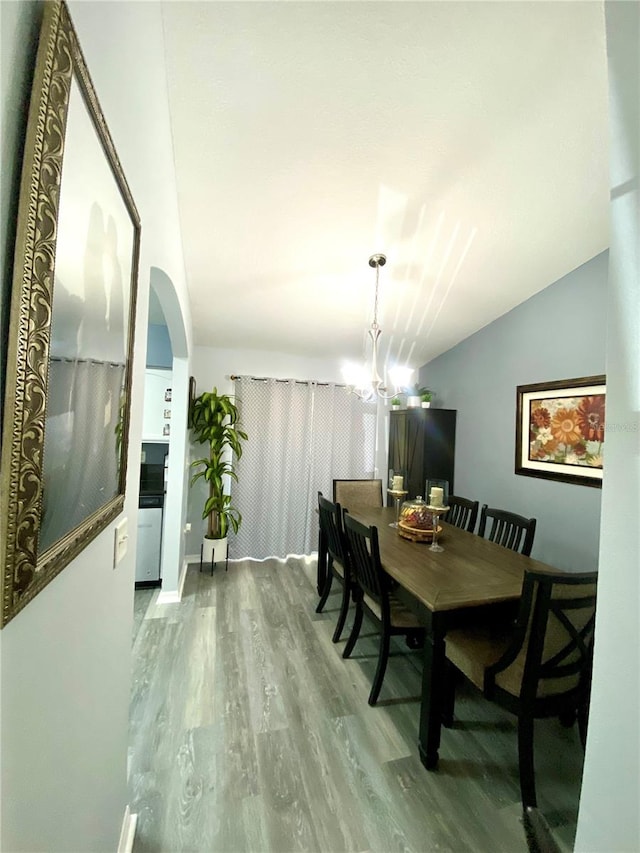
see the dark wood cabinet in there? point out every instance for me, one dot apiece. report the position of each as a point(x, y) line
point(422, 445)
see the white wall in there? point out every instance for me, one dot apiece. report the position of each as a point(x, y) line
point(173, 567)
point(124, 48)
point(609, 806)
point(65, 676)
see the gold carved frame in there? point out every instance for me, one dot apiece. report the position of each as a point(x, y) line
point(26, 568)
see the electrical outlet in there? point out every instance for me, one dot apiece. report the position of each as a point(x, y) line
point(121, 541)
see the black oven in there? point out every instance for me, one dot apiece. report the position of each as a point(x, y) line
point(151, 479)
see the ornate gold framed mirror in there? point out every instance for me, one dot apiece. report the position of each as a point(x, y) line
point(70, 351)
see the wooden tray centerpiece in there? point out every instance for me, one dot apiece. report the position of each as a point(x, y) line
point(416, 534)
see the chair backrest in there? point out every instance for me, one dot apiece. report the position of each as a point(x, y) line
point(462, 513)
point(350, 493)
point(551, 650)
point(330, 516)
point(364, 557)
point(513, 531)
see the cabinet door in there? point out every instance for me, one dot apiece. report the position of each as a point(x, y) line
point(406, 449)
point(422, 445)
point(397, 442)
point(415, 453)
point(439, 446)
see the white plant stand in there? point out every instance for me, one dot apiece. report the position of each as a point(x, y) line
point(214, 551)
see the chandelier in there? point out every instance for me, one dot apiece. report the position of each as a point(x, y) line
point(365, 381)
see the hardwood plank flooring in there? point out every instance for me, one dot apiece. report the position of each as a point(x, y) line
point(250, 733)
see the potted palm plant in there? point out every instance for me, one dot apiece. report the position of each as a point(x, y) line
point(414, 398)
point(213, 419)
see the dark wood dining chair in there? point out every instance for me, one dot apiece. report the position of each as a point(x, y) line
point(331, 527)
point(374, 592)
point(513, 531)
point(541, 668)
point(462, 513)
point(350, 493)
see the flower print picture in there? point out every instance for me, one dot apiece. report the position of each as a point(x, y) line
point(560, 430)
point(568, 430)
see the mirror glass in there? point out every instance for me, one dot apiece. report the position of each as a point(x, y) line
point(89, 329)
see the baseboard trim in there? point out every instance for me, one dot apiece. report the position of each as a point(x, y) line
point(128, 831)
point(174, 596)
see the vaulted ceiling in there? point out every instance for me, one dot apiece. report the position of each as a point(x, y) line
point(467, 141)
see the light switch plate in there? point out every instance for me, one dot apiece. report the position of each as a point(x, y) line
point(121, 541)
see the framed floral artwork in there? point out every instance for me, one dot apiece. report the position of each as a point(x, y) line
point(560, 430)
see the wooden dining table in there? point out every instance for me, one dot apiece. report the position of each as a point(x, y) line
point(443, 588)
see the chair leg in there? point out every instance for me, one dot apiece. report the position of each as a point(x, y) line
point(583, 722)
point(325, 591)
point(525, 759)
point(355, 630)
point(415, 639)
point(568, 717)
point(383, 657)
point(449, 694)
point(344, 609)
point(583, 709)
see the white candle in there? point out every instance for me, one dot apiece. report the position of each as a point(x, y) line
point(397, 483)
point(435, 496)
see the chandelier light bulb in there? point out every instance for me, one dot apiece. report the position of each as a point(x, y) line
point(400, 376)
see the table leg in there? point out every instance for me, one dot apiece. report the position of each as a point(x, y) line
point(433, 676)
point(321, 577)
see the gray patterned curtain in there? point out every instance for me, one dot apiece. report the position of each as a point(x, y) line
point(301, 436)
point(80, 443)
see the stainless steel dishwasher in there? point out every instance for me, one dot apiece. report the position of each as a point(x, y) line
point(149, 538)
point(150, 510)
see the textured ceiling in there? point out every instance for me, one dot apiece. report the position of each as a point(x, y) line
point(466, 141)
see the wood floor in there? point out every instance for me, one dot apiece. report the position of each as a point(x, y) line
point(249, 732)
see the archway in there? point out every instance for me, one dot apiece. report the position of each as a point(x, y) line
point(172, 569)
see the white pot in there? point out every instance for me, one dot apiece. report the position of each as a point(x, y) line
point(413, 402)
point(395, 408)
point(426, 405)
point(214, 550)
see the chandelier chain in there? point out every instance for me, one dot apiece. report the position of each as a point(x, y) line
point(375, 303)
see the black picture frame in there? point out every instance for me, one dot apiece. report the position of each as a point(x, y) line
point(560, 430)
